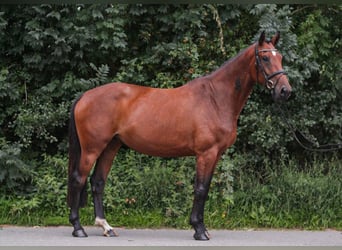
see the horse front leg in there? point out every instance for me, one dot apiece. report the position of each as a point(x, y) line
point(204, 170)
point(197, 214)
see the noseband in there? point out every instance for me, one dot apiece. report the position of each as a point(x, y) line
point(268, 82)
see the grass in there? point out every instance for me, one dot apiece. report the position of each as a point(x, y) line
point(306, 197)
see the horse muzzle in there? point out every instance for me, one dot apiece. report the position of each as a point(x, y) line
point(282, 93)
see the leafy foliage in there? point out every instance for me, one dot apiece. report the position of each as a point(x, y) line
point(14, 172)
point(53, 53)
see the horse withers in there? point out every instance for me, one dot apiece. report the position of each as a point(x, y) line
point(197, 119)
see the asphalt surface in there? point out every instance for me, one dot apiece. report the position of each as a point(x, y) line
point(61, 236)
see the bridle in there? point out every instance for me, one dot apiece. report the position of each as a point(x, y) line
point(268, 82)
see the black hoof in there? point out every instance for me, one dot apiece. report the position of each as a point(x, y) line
point(202, 236)
point(111, 233)
point(79, 233)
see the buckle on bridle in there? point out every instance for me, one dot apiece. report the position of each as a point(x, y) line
point(270, 84)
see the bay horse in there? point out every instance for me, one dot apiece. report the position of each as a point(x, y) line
point(196, 119)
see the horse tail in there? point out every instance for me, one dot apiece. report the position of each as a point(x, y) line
point(74, 160)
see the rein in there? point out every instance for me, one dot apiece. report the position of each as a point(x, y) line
point(268, 82)
point(303, 141)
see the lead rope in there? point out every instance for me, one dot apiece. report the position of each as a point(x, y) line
point(296, 134)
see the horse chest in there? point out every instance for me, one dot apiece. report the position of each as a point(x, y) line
point(226, 136)
point(221, 137)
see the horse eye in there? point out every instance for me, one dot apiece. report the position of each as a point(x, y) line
point(265, 58)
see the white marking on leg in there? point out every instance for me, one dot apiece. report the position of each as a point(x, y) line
point(274, 53)
point(106, 227)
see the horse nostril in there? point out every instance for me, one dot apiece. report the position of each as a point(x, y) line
point(284, 92)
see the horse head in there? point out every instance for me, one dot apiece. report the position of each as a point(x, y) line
point(269, 69)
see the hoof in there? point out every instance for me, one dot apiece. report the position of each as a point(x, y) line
point(79, 233)
point(110, 233)
point(202, 236)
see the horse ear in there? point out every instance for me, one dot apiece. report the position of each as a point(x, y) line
point(275, 39)
point(262, 38)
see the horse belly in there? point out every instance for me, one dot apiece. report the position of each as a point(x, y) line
point(161, 150)
point(158, 140)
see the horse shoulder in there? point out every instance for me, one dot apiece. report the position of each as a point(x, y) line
point(215, 124)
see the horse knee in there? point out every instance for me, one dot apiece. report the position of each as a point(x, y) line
point(201, 194)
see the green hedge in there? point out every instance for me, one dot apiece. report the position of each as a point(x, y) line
point(52, 53)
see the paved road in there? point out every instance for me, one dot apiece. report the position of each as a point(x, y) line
point(61, 236)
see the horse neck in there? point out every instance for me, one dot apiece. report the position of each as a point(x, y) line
point(232, 83)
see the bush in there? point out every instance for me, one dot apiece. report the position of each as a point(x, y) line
point(14, 172)
point(53, 53)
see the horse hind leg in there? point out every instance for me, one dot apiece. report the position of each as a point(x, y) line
point(80, 164)
point(78, 193)
point(98, 180)
point(78, 187)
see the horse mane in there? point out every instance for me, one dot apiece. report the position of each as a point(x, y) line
point(230, 60)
